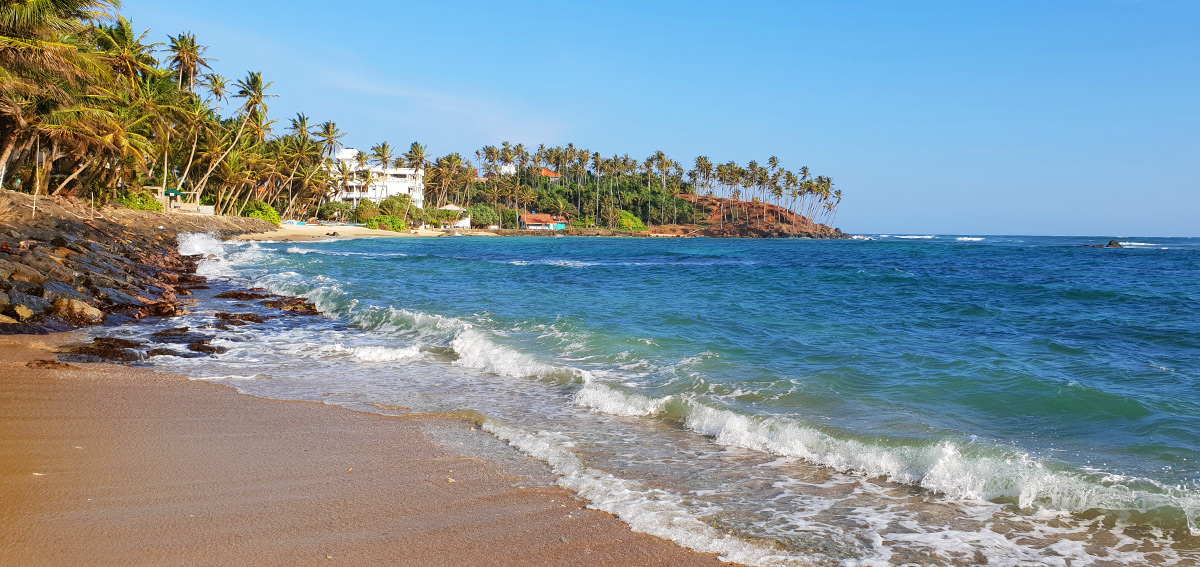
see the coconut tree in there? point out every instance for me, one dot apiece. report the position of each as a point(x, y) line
point(253, 90)
point(186, 59)
point(330, 138)
point(124, 50)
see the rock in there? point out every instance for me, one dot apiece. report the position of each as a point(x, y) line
point(296, 305)
point(4, 301)
point(240, 318)
point(203, 346)
point(107, 348)
point(117, 297)
point(6, 320)
point(161, 352)
point(25, 307)
point(77, 312)
point(1113, 244)
point(49, 365)
point(240, 295)
point(53, 291)
point(20, 272)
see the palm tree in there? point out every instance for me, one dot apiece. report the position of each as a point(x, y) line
point(254, 90)
point(330, 138)
point(122, 47)
point(187, 58)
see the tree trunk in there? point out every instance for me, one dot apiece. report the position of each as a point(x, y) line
point(82, 166)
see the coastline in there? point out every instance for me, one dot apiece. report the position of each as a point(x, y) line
point(107, 464)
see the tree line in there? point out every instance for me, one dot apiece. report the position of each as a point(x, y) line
point(90, 107)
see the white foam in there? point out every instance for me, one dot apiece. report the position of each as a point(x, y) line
point(372, 353)
point(970, 238)
point(925, 237)
point(945, 467)
point(476, 350)
point(1139, 244)
point(601, 397)
point(200, 243)
point(648, 510)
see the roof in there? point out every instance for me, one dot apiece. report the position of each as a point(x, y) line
point(539, 219)
point(454, 208)
point(547, 173)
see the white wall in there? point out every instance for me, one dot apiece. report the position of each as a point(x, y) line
point(384, 184)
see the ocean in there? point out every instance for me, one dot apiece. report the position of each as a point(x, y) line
point(886, 400)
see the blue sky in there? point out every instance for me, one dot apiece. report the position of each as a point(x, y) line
point(957, 116)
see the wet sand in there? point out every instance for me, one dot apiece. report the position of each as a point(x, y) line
point(110, 465)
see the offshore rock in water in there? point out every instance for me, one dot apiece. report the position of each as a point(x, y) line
point(204, 347)
point(1111, 244)
point(241, 295)
point(296, 305)
point(240, 318)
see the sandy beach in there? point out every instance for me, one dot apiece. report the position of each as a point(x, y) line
point(112, 465)
point(309, 232)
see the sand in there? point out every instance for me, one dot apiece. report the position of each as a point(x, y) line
point(111, 465)
point(308, 232)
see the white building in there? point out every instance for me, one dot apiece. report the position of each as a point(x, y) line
point(382, 183)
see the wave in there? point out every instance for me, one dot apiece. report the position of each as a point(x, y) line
point(652, 511)
point(302, 251)
point(601, 397)
point(963, 471)
point(970, 238)
point(922, 237)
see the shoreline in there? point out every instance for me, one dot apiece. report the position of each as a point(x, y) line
point(106, 464)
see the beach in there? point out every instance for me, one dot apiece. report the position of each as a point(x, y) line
point(112, 465)
point(311, 232)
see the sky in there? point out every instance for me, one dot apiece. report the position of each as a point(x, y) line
point(1056, 117)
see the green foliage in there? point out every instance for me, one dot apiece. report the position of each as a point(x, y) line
point(333, 211)
point(387, 222)
point(261, 210)
point(365, 211)
point(483, 215)
point(511, 218)
point(140, 201)
point(584, 222)
point(396, 205)
point(629, 221)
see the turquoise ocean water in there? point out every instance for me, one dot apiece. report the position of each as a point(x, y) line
point(939, 400)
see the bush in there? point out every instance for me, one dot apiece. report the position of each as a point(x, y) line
point(387, 222)
point(396, 205)
point(261, 210)
point(629, 221)
point(332, 211)
point(140, 202)
point(365, 211)
point(483, 214)
point(510, 217)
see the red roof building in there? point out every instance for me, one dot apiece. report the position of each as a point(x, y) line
point(543, 222)
point(547, 173)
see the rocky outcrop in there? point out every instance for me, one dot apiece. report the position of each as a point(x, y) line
point(69, 265)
